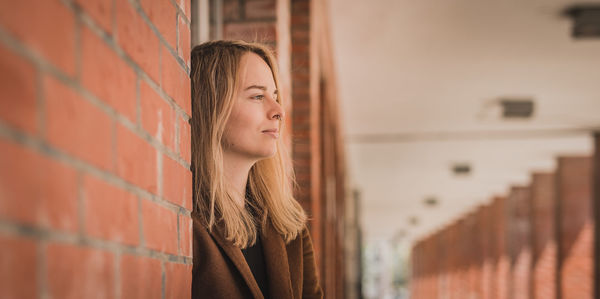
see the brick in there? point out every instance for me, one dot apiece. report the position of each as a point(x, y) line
point(110, 213)
point(137, 39)
point(300, 21)
point(53, 38)
point(263, 32)
point(100, 11)
point(36, 190)
point(260, 9)
point(141, 277)
point(185, 235)
point(18, 263)
point(177, 183)
point(231, 10)
point(160, 227)
point(106, 75)
point(301, 6)
point(163, 15)
point(176, 83)
point(184, 41)
point(157, 116)
point(17, 81)
point(185, 141)
point(77, 272)
point(69, 121)
point(178, 279)
point(136, 160)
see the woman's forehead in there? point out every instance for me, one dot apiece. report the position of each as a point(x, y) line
point(255, 71)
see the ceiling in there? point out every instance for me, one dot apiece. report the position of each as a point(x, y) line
point(419, 86)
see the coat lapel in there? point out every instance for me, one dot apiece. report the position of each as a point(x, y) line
point(235, 254)
point(276, 262)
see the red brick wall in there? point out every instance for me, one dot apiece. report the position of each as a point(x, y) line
point(95, 187)
point(544, 239)
point(575, 227)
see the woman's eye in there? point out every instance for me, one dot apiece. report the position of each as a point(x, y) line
point(259, 97)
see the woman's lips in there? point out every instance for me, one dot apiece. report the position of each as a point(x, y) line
point(273, 133)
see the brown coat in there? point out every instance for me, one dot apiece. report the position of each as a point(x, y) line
point(220, 269)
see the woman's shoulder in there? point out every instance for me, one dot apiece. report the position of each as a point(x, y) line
point(199, 227)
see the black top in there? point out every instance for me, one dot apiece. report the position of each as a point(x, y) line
point(256, 261)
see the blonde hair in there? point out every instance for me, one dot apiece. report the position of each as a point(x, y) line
point(214, 76)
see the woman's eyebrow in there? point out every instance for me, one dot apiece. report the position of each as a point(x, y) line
point(256, 87)
point(263, 88)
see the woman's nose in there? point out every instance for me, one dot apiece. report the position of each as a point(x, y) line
point(277, 111)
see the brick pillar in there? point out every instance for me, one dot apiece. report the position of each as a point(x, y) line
point(575, 227)
point(455, 262)
point(444, 261)
point(519, 202)
point(464, 250)
point(306, 129)
point(473, 255)
point(544, 235)
point(500, 251)
point(95, 187)
point(430, 269)
point(415, 278)
point(485, 232)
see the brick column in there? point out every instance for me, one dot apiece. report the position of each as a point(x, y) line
point(544, 235)
point(95, 186)
point(473, 254)
point(307, 129)
point(486, 237)
point(520, 242)
point(455, 285)
point(445, 261)
point(575, 227)
point(415, 277)
point(500, 250)
point(430, 271)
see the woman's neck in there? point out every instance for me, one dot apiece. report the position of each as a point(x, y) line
point(236, 173)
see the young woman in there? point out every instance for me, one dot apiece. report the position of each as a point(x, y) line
point(250, 236)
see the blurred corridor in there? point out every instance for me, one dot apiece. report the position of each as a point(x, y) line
point(469, 133)
point(442, 149)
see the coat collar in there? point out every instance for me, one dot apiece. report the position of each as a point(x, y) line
point(276, 262)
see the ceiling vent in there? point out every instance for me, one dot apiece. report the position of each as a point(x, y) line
point(430, 201)
point(461, 169)
point(586, 20)
point(517, 108)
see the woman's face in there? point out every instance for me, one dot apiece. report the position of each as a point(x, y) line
point(252, 129)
